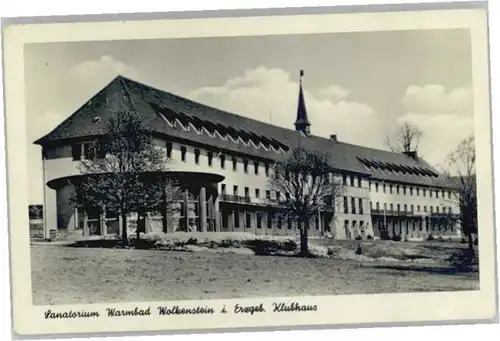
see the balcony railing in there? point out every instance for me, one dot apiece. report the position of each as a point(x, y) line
point(445, 215)
point(392, 212)
point(236, 198)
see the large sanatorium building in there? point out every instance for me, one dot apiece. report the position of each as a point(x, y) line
point(225, 159)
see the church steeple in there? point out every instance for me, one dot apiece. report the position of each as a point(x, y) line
point(302, 123)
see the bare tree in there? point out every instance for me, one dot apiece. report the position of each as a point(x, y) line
point(306, 186)
point(125, 172)
point(406, 138)
point(462, 172)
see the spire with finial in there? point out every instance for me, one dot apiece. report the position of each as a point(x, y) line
point(302, 123)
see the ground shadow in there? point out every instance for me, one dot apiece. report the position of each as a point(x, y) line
point(441, 270)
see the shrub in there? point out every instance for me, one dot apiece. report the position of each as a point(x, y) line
point(463, 241)
point(359, 238)
point(192, 241)
point(369, 237)
point(430, 237)
point(359, 250)
point(396, 238)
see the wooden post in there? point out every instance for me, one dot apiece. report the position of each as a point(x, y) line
point(217, 214)
point(120, 223)
point(203, 209)
point(86, 231)
point(75, 218)
point(186, 210)
point(102, 221)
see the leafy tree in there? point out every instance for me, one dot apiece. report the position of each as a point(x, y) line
point(306, 186)
point(406, 139)
point(125, 171)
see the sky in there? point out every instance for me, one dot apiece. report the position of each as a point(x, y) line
point(357, 85)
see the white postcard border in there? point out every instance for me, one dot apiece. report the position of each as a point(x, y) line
point(349, 309)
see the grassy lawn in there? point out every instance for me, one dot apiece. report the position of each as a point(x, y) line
point(65, 275)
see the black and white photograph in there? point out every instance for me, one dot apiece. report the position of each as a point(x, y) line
point(247, 166)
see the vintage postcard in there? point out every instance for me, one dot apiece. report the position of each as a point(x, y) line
point(257, 171)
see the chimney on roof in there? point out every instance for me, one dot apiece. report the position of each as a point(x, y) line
point(413, 154)
point(333, 137)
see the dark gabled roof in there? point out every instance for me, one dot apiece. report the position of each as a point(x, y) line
point(160, 109)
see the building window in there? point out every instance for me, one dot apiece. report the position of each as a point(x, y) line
point(353, 205)
point(76, 151)
point(256, 168)
point(449, 194)
point(289, 222)
point(430, 193)
point(360, 203)
point(210, 156)
point(266, 169)
point(425, 208)
point(236, 219)
point(346, 227)
point(344, 180)
point(399, 208)
point(235, 190)
point(432, 209)
point(442, 194)
point(390, 189)
point(371, 205)
point(235, 164)
point(222, 161)
point(404, 190)
point(247, 192)
point(257, 193)
point(183, 154)
point(359, 181)
point(248, 222)
point(383, 187)
point(197, 156)
point(376, 187)
point(352, 181)
point(269, 220)
point(259, 220)
point(418, 208)
point(169, 149)
point(423, 192)
point(278, 194)
point(245, 166)
point(437, 209)
point(397, 189)
point(223, 189)
point(437, 193)
point(378, 206)
point(268, 194)
point(405, 208)
point(346, 208)
point(280, 221)
point(418, 191)
point(391, 207)
point(411, 190)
